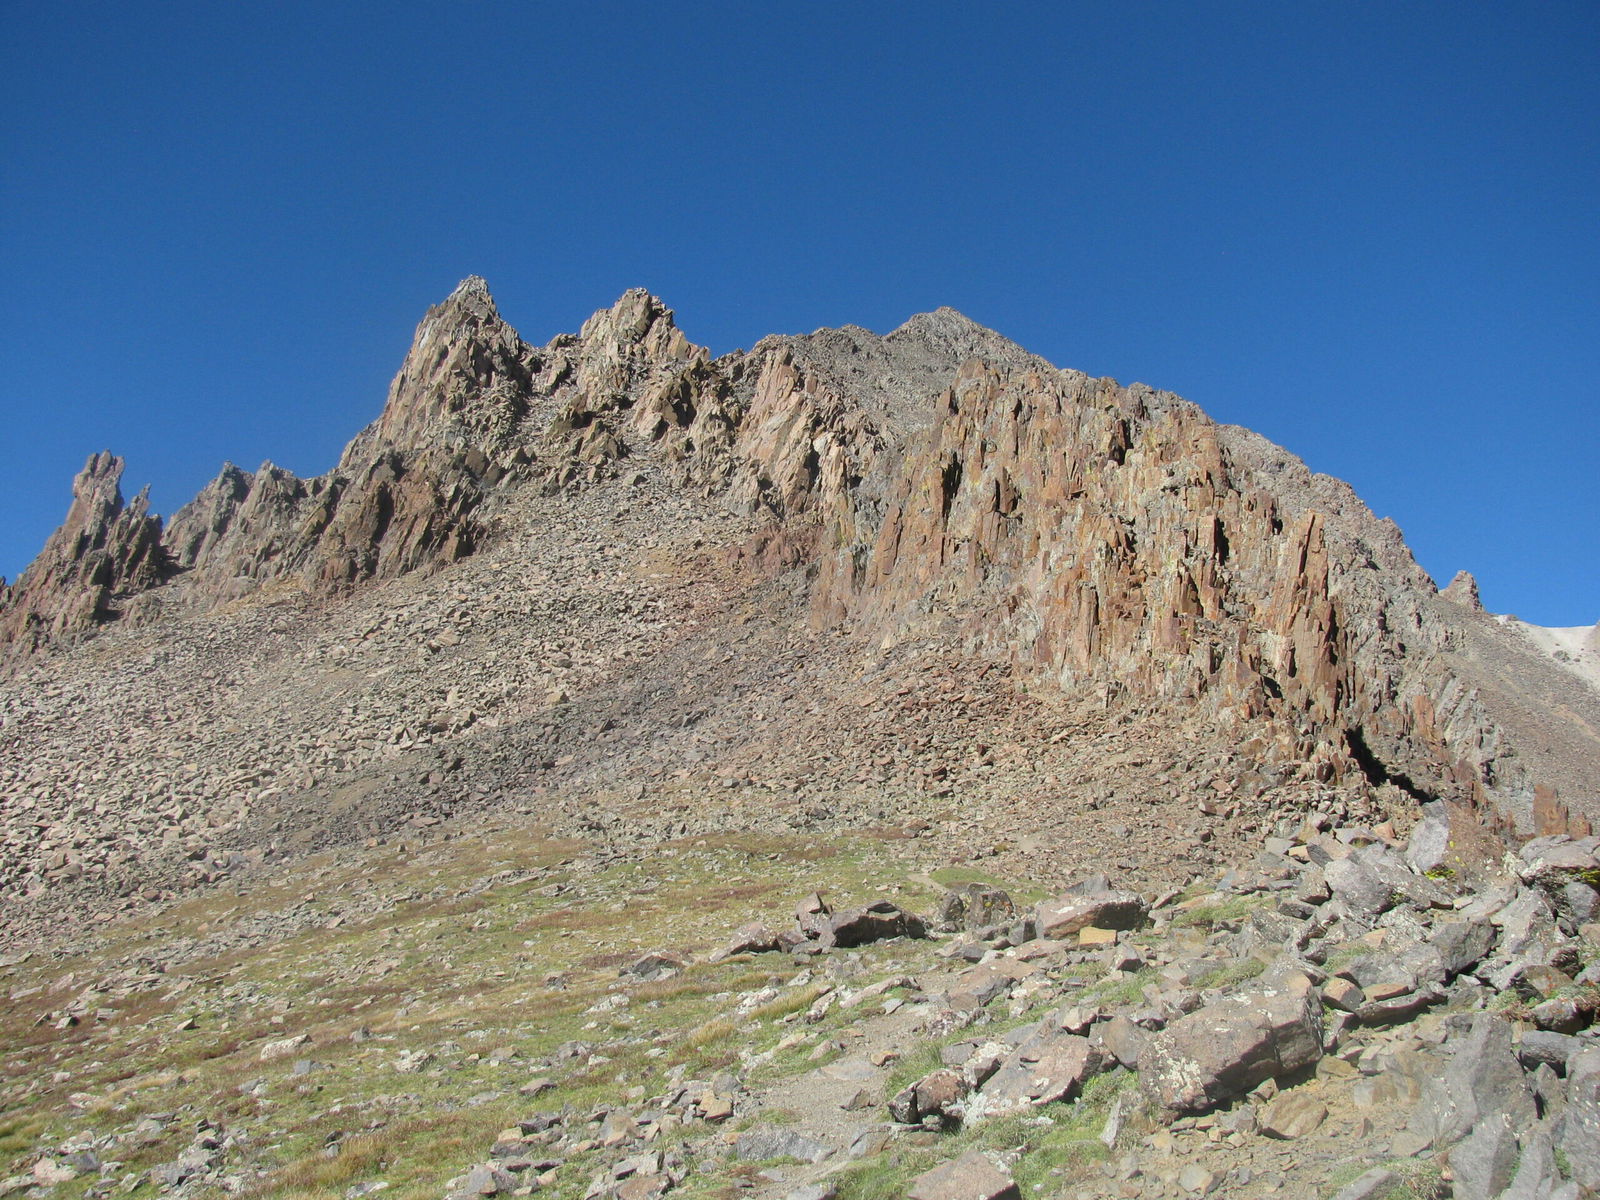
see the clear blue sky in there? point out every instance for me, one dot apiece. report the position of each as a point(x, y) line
point(1369, 231)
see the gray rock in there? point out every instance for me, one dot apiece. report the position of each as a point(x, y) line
point(1536, 1176)
point(1050, 1067)
point(1102, 909)
point(1123, 1039)
point(1357, 888)
point(1375, 1184)
point(1559, 1015)
point(1578, 1135)
point(812, 914)
point(1538, 1046)
point(1483, 1082)
point(1429, 845)
point(1527, 926)
point(1462, 945)
point(1483, 1164)
point(1292, 1114)
point(1577, 903)
point(753, 938)
point(1550, 862)
point(487, 1180)
point(758, 1144)
point(655, 966)
point(877, 921)
point(1313, 886)
point(934, 1095)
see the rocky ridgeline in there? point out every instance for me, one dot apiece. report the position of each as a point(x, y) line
point(1332, 1012)
point(936, 482)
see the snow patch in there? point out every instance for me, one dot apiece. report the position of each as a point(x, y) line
point(1576, 648)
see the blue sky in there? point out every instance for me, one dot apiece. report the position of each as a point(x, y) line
point(1370, 232)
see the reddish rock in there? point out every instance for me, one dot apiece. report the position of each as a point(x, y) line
point(1053, 1066)
point(1103, 910)
point(1228, 1047)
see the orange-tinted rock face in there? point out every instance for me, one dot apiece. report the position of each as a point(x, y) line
point(1098, 534)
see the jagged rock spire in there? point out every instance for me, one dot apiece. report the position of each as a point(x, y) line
point(1463, 590)
point(104, 549)
point(465, 364)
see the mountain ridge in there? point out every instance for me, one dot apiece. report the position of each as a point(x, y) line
point(867, 497)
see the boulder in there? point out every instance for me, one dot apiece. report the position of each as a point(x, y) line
point(655, 966)
point(1482, 1166)
point(1429, 846)
point(975, 906)
point(1090, 904)
point(1527, 926)
point(1578, 1135)
point(1051, 1066)
point(1483, 1082)
point(1550, 863)
point(1536, 1176)
point(812, 914)
point(1553, 1049)
point(1376, 1184)
point(283, 1047)
point(1228, 1047)
point(1358, 888)
point(1123, 1040)
point(874, 923)
point(971, 1177)
point(752, 938)
point(487, 1180)
point(1462, 945)
point(760, 1144)
point(934, 1095)
point(1292, 1114)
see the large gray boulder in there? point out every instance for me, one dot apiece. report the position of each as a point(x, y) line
point(1463, 944)
point(1357, 888)
point(1483, 1083)
point(874, 923)
point(1579, 1134)
point(1052, 1066)
point(1482, 1166)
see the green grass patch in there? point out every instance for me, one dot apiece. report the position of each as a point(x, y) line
point(1209, 916)
point(1231, 974)
point(1418, 1179)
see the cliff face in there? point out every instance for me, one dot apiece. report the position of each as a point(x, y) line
point(1113, 540)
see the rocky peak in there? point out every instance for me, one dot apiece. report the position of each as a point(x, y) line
point(466, 368)
point(634, 338)
point(1463, 590)
point(104, 551)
